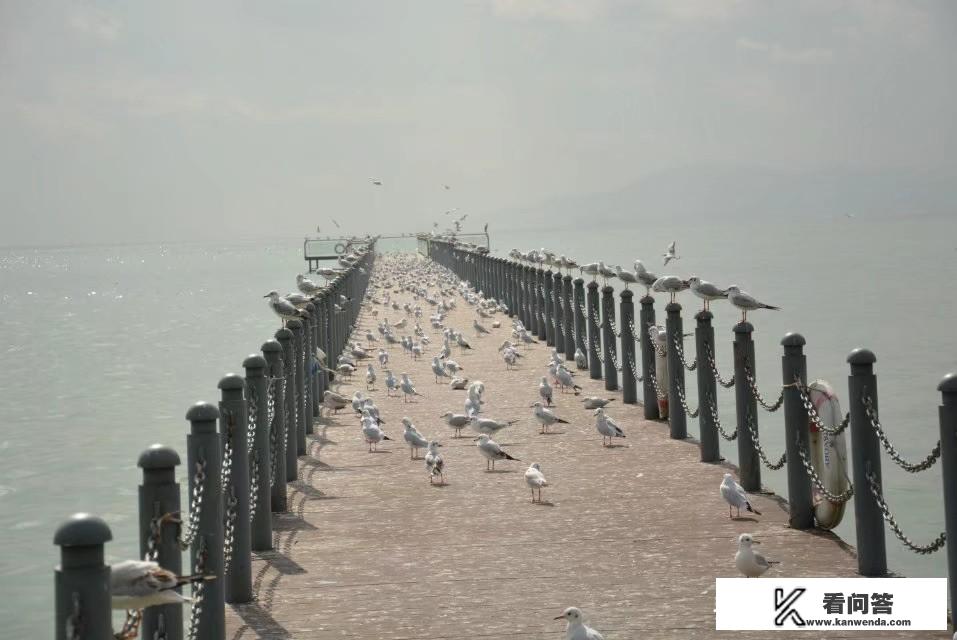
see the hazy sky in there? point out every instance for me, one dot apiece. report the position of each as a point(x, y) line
point(137, 120)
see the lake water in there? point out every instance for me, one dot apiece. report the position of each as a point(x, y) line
point(106, 347)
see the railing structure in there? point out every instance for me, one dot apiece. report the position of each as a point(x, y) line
point(240, 455)
point(594, 331)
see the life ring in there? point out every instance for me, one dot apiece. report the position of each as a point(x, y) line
point(828, 453)
point(661, 370)
point(339, 248)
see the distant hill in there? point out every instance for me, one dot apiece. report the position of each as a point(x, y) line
point(749, 193)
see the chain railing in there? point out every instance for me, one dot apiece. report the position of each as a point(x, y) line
point(229, 491)
point(836, 498)
point(653, 338)
point(773, 466)
point(613, 354)
point(195, 506)
point(936, 545)
point(253, 484)
point(680, 351)
point(813, 415)
point(910, 467)
point(597, 347)
point(270, 420)
point(199, 592)
point(684, 402)
point(654, 383)
point(74, 621)
point(634, 368)
point(727, 384)
point(713, 407)
point(614, 326)
point(768, 406)
point(252, 416)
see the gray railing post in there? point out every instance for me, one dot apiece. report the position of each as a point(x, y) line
point(569, 318)
point(866, 458)
point(232, 429)
point(82, 580)
point(290, 417)
point(749, 466)
point(594, 364)
point(629, 386)
point(206, 553)
point(558, 311)
point(312, 384)
point(539, 283)
point(794, 366)
point(525, 276)
point(548, 305)
point(677, 418)
point(159, 495)
point(649, 395)
point(707, 389)
point(259, 459)
point(275, 371)
point(947, 413)
point(581, 325)
point(608, 338)
point(297, 327)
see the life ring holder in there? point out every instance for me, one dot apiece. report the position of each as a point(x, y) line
point(828, 454)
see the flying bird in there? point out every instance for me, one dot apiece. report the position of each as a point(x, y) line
point(670, 254)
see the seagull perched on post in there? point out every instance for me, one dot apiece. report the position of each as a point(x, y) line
point(627, 277)
point(307, 286)
point(745, 302)
point(706, 291)
point(734, 494)
point(283, 308)
point(138, 584)
point(748, 561)
point(670, 284)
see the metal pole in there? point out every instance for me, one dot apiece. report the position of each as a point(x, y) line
point(581, 326)
point(594, 364)
point(646, 319)
point(290, 419)
point(82, 580)
point(629, 386)
point(800, 499)
point(674, 327)
point(866, 456)
point(302, 411)
point(206, 553)
point(948, 470)
point(608, 338)
point(260, 462)
point(273, 352)
point(707, 390)
point(526, 292)
point(232, 428)
point(539, 280)
point(749, 466)
point(312, 388)
point(548, 300)
point(569, 320)
point(159, 495)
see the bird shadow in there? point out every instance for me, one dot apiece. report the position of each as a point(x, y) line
point(550, 433)
point(543, 503)
point(439, 485)
point(744, 519)
point(615, 446)
point(499, 471)
point(381, 451)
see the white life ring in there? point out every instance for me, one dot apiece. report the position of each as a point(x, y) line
point(339, 248)
point(828, 454)
point(661, 370)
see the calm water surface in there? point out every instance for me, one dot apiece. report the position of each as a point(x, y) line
point(106, 347)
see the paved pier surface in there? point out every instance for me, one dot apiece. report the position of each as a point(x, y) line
point(634, 535)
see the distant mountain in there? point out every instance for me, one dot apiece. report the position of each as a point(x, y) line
point(748, 193)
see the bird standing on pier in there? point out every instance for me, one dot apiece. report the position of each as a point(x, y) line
point(138, 584)
point(594, 402)
point(491, 451)
point(745, 302)
point(669, 253)
point(391, 384)
point(734, 494)
point(535, 479)
point(706, 291)
point(748, 561)
point(607, 427)
point(415, 439)
point(372, 433)
point(438, 369)
point(407, 388)
point(457, 421)
point(581, 360)
point(488, 426)
point(434, 463)
point(545, 391)
point(545, 416)
point(576, 629)
point(370, 377)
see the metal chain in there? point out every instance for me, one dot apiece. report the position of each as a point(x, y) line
point(252, 416)
point(634, 368)
point(813, 415)
point(613, 354)
point(270, 420)
point(153, 539)
point(713, 406)
point(837, 498)
point(727, 384)
point(757, 446)
point(253, 485)
point(896, 528)
point(74, 621)
point(160, 632)
point(923, 465)
point(684, 403)
point(229, 491)
point(654, 383)
point(680, 350)
point(131, 625)
point(770, 408)
point(597, 348)
point(199, 592)
point(614, 325)
point(653, 338)
point(195, 505)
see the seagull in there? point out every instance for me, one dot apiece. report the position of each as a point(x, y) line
point(374, 181)
point(669, 253)
point(489, 426)
point(391, 384)
point(594, 402)
point(546, 416)
point(370, 377)
point(581, 360)
point(138, 584)
point(307, 286)
point(333, 401)
point(535, 479)
point(407, 388)
point(414, 438)
point(438, 369)
point(545, 390)
point(607, 427)
point(564, 377)
point(457, 421)
point(627, 277)
point(434, 463)
point(733, 493)
point(745, 302)
point(479, 329)
point(491, 451)
point(748, 562)
point(645, 277)
point(458, 384)
point(373, 434)
point(706, 291)
point(670, 284)
point(282, 307)
point(576, 629)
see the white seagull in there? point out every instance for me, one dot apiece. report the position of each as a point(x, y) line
point(138, 584)
point(749, 562)
point(734, 494)
point(669, 253)
point(491, 451)
point(745, 302)
point(576, 629)
point(535, 479)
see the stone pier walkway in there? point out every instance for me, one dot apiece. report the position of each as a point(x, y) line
point(634, 535)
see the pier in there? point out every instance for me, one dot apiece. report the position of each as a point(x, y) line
point(312, 536)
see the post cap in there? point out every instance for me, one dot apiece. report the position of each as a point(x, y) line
point(673, 307)
point(254, 361)
point(203, 412)
point(592, 285)
point(793, 339)
point(579, 282)
point(311, 308)
point(82, 530)
point(567, 278)
point(626, 294)
point(294, 324)
point(608, 290)
point(284, 335)
point(703, 316)
point(647, 299)
point(271, 346)
point(158, 456)
point(231, 381)
point(948, 384)
point(861, 356)
point(744, 327)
